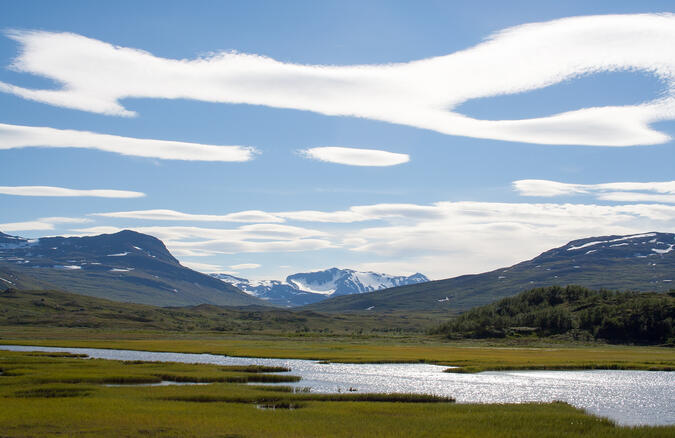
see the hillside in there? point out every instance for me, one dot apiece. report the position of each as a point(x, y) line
point(45, 308)
point(125, 266)
point(579, 313)
point(642, 262)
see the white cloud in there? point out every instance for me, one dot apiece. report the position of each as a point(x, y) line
point(202, 267)
point(65, 220)
point(172, 215)
point(95, 76)
point(442, 239)
point(61, 191)
point(25, 226)
point(616, 191)
point(353, 214)
point(199, 242)
point(245, 266)
point(43, 224)
point(471, 237)
point(636, 197)
point(355, 157)
point(15, 136)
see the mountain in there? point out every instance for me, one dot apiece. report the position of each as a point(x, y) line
point(125, 266)
point(641, 262)
point(312, 287)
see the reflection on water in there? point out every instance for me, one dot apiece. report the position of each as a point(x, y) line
point(162, 383)
point(627, 397)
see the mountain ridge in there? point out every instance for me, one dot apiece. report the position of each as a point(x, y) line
point(644, 262)
point(126, 266)
point(312, 287)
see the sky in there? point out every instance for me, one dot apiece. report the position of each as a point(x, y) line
point(265, 138)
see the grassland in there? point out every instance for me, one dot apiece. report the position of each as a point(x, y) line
point(471, 356)
point(61, 395)
point(46, 308)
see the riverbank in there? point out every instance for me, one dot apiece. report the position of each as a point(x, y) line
point(53, 394)
point(469, 356)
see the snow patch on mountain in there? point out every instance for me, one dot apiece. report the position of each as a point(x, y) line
point(598, 242)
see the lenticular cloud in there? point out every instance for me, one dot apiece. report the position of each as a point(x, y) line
point(16, 136)
point(96, 76)
point(356, 157)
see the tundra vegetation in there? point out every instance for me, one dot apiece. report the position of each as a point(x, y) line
point(47, 394)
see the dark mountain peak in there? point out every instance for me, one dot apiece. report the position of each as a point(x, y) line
point(8, 241)
point(123, 243)
point(125, 266)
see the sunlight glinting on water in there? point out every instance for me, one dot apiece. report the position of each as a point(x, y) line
point(626, 397)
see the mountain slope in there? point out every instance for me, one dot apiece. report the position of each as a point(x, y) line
point(312, 287)
point(573, 311)
point(644, 262)
point(125, 266)
point(46, 308)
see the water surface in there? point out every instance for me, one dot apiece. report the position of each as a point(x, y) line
point(627, 397)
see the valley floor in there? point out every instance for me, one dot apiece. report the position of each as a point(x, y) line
point(63, 395)
point(470, 356)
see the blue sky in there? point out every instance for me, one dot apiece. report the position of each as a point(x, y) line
point(469, 196)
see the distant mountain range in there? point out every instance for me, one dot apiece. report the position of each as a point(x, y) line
point(133, 267)
point(125, 266)
point(640, 262)
point(312, 287)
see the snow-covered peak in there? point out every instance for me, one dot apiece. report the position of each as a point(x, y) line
point(303, 288)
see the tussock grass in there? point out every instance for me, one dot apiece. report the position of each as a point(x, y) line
point(256, 369)
point(299, 396)
point(280, 405)
point(254, 378)
point(53, 392)
point(56, 354)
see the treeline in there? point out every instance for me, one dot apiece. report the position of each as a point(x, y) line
point(574, 311)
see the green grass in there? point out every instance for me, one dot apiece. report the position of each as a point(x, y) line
point(30, 407)
point(45, 308)
point(471, 356)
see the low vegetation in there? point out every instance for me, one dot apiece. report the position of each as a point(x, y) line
point(40, 308)
point(469, 355)
point(572, 312)
point(32, 407)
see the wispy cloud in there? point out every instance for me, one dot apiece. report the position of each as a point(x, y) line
point(471, 237)
point(202, 267)
point(43, 224)
point(243, 266)
point(421, 93)
point(25, 226)
point(16, 136)
point(172, 215)
point(355, 157)
point(617, 191)
point(61, 191)
point(359, 213)
point(198, 241)
point(440, 239)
